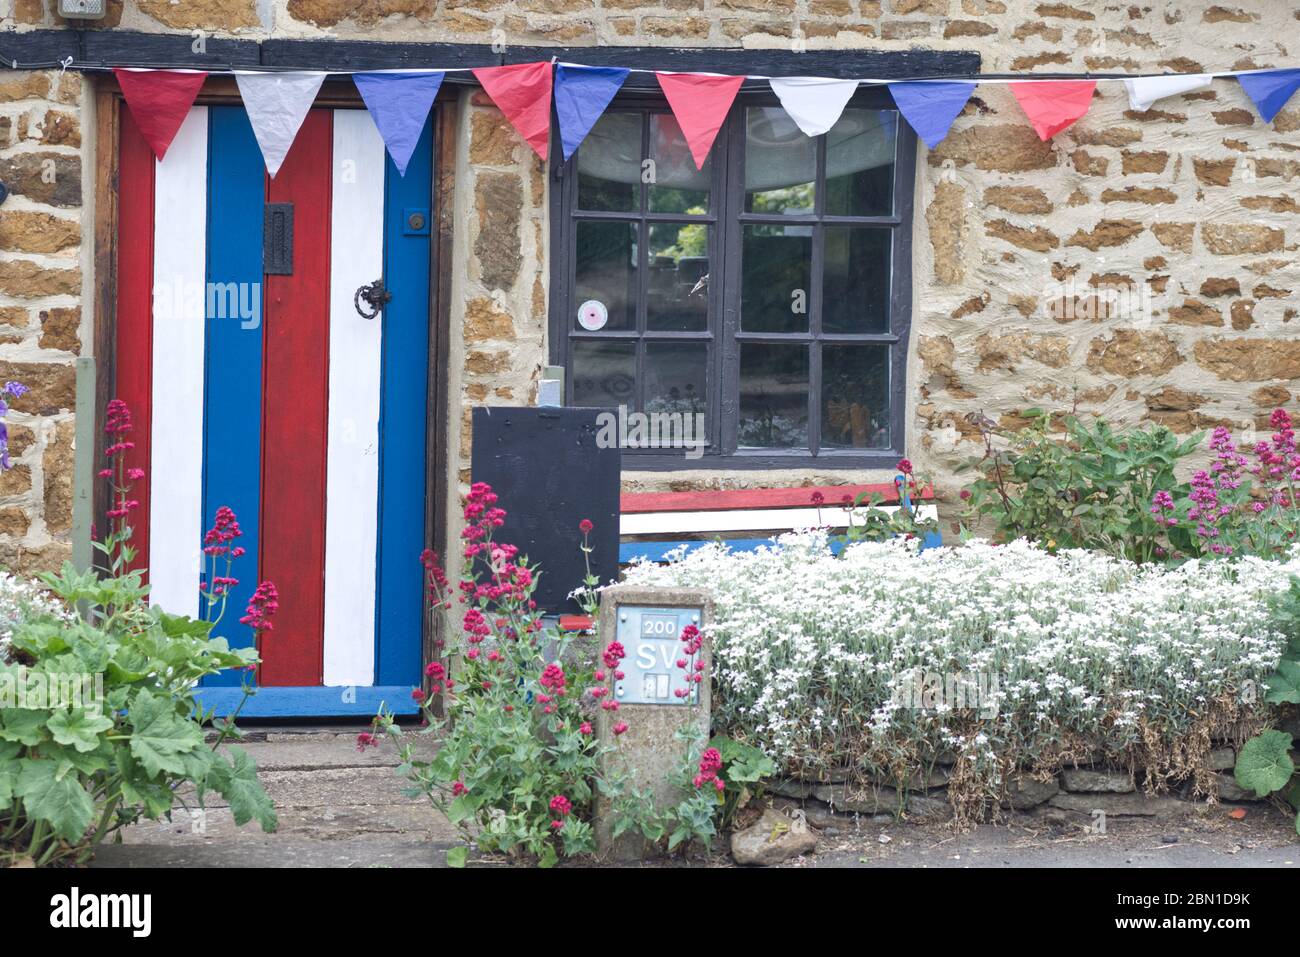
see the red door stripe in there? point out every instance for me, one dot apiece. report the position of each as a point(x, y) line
point(295, 415)
point(135, 311)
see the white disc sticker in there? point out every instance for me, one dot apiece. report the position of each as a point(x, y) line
point(592, 315)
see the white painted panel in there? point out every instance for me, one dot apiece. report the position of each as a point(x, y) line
point(352, 458)
point(744, 520)
point(176, 434)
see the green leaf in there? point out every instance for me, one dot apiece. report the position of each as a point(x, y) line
point(461, 809)
point(1283, 687)
point(1264, 763)
point(456, 856)
point(23, 725)
point(547, 857)
point(160, 736)
point(58, 799)
point(237, 782)
point(79, 729)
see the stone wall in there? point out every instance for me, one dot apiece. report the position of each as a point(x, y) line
point(42, 275)
point(1188, 210)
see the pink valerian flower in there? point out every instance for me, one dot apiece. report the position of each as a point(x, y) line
point(262, 607)
point(818, 499)
point(904, 466)
point(458, 788)
point(367, 740)
point(561, 805)
point(418, 696)
point(553, 679)
point(710, 765)
point(584, 728)
point(225, 529)
point(585, 526)
point(619, 728)
point(613, 654)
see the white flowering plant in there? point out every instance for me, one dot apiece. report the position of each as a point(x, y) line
point(990, 659)
point(21, 601)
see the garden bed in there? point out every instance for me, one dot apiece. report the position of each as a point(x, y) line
point(984, 665)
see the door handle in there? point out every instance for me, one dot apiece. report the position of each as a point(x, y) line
point(373, 295)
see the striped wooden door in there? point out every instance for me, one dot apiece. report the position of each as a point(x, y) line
point(270, 394)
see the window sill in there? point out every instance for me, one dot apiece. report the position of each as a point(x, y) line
point(677, 461)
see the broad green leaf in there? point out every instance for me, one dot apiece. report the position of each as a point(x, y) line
point(456, 856)
point(159, 735)
point(23, 725)
point(238, 783)
point(461, 809)
point(79, 729)
point(57, 799)
point(1264, 763)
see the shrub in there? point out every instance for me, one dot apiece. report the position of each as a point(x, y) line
point(1086, 486)
point(519, 766)
point(20, 601)
point(819, 660)
point(99, 725)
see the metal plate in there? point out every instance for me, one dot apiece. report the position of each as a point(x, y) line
point(652, 639)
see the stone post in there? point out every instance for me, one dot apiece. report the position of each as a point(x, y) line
point(648, 623)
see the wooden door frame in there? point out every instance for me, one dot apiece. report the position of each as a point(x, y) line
point(222, 90)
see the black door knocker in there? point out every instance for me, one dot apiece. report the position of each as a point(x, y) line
point(375, 296)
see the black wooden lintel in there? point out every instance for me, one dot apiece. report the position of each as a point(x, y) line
point(100, 49)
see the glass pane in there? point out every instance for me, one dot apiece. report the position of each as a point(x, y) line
point(676, 384)
point(604, 373)
point(776, 271)
point(860, 163)
point(609, 164)
point(855, 396)
point(676, 186)
point(605, 276)
point(855, 279)
point(677, 285)
point(780, 164)
point(773, 396)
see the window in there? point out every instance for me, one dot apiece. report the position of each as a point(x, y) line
point(768, 292)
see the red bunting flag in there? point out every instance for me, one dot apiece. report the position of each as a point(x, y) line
point(700, 102)
point(159, 101)
point(1052, 105)
point(523, 93)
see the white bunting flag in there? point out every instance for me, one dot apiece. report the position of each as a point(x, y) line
point(815, 104)
point(277, 103)
point(1143, 91)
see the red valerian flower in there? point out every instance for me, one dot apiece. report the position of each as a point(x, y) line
point(417, 696)
point(905, 466)
point(619, 728)
point(262, 607)
point(367, 740)
point(614, 653)
point(818, 499)
point(561, 805)
point(585, 526)
point(458, 788)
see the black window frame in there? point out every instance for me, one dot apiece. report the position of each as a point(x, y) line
point(727, 220)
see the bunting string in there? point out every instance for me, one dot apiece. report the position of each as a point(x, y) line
point(399, 100)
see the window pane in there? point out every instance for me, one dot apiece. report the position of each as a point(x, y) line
point(855, 396)
point(676, 186)
point(604, 373)
point(676, 383)
point(605, 274)
point(609, 164)
point(860, 163)
point(780, 164)
point(776, 270)
point(855, 279)
point(677, 289)
point(773, 396)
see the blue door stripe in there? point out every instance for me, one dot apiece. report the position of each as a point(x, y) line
point(402, 463)
point(232, 415)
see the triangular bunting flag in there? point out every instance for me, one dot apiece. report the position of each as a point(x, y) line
point(700, 102)
point(399, 103)
point(159, 101)
point(814, 104)
point(277, 103)
point(930, 108)
point(1270, 90)
point(1143, 91)
point(1052, 105)
point(581, 95)
point(523, 93)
